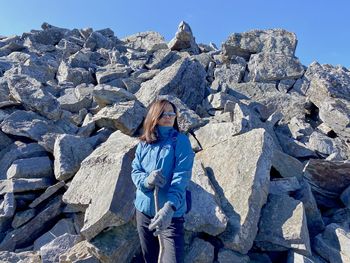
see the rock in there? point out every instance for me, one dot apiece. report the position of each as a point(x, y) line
point(33, 96)
point(328, 179)
point(27, 233)
point(214, 133)
point(23, 185)
point(315, 222)
point(283, 226)
point(321, 143)
point(4, 140)
point(200, 251)
point(271, 66)
point(72, 102)
point(79, 253)
point(35, 167)
point(286, 165)
point(124, 116)
point(22, 217)
point(107, 95)
point(161, 58)
point(327, 81)
point(283, 186)
point(293, 147)
point(112, 160)
point(228, 256)
point(116, 243)
point(110, 73)
point(227, 75)
point(333, 244)
point(51, 190)
point(205, 214)
point(184, 40)
point(345, 197)
point(96, 40)
point(69, 152)
point(298, 258)
point(62, 227)
point(218, 101)
point(336, 114)
point(255, 41)
point(242, 158)
point(285, 85)
point(181, 79)
point(265, 99)
point(23, 257)
point(51, 251)
point(43, 68)
point(33, 126)
point(7, 207)
point(75, 75)
point(149, 40)
point(299, 128)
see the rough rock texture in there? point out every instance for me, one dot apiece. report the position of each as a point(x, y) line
point(241, 185)
point(261, 124)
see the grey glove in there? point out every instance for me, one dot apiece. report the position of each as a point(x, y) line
point(155, 178)
point(162, 219)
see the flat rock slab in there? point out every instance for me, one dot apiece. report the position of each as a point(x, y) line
point(184, 79)
point(23, 257)
point(35, 167)
point(23, 185)
point(18, 150)
point(26, 234)
point(239, 169)
point(283, 224)
point(33, 126)
point(51, 252)
point(328, 179)
point(107, 170)
point(205, 214)
point(51, 190)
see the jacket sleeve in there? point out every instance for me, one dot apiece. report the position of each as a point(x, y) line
point(138, 174)
point(184, 157)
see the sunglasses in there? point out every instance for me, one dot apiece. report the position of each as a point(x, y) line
point(168, 114)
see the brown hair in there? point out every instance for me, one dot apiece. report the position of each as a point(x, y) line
point(154, 114)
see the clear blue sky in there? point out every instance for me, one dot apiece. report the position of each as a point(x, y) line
point(322, 27)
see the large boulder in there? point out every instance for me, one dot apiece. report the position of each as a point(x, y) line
point(256, 41)
point(184, 40)
point(106, 170)
point(33, 96)
point(205, 214)
point(124, 116)
point(31, 125)
point(145, 41)
point(239, 168)
point(184, 79)
point(265, 67)
point(328, 179)
point(283, 226)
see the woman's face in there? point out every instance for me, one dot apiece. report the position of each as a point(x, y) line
point(168, 116)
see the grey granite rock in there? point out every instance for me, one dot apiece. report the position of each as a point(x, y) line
point(283, 226)
point(35, 167)
point(243, 158)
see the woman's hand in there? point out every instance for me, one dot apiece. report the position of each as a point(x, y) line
point(155, 178)
point(162, 219)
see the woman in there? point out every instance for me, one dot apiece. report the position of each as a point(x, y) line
point(163, 160)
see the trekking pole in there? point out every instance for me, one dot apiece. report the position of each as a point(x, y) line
point(156, 203)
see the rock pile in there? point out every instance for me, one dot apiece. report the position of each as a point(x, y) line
point(271, 177)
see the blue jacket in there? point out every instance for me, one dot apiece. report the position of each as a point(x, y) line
point(176, 164)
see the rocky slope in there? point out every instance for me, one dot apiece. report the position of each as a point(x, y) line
point(271, 178)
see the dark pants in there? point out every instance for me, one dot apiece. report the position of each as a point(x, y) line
point(172, 239)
